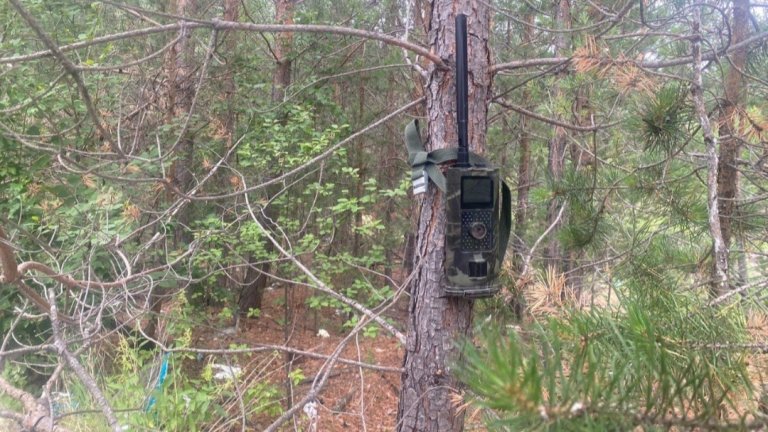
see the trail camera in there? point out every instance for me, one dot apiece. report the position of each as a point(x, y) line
point(477, 202)
point(472, 231)
point(473, 246)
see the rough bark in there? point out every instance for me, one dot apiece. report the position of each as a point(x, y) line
point(283, 45)
point(37, 415)
point(255, 278)
point(727, 172)
point(719, 284)
point(429, 398)
point(557, 145)
point(582, 115)
point(252, 293)
point(181, 88)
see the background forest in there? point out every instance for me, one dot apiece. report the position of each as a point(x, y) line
point(207, 223)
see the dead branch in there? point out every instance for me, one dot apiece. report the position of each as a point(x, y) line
point(71, 69)
point(697, 93)
point(78, 368)
point(234, 26)
point(37, 417)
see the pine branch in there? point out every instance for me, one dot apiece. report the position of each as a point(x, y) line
point(659, 64)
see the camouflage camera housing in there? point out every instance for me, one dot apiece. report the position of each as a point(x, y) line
point(472, 208)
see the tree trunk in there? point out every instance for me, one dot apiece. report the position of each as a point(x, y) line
point(523, 184)
point(283, 46)
point(256, 277)
point(728, 174)
point(252, 293)
point(231, 13)
point(429, 393)
point(181, 88)
point(719, 283)
point(232, 280)
point(581, 159)
point(357, 160)
point(524, 166)
point(556, 157)
point(181, 94)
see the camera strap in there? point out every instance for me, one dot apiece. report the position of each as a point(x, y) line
point(424, 167)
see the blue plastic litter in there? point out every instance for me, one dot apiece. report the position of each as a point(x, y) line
point(160, 381)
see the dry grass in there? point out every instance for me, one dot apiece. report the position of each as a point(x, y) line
point(548, 294)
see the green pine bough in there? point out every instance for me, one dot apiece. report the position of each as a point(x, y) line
point(650, 363)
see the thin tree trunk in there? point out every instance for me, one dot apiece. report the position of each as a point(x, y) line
point(231, 13)
point(581, 159)
point(719, 283)
point(284, 11)
point(253, 292)
point(284, 44)
point(430, 392)
point(523, 184)
point(181, 88)
point(523, 167)
point(255, 278)
point(232, 280)
point(357, 160)
point(181, 77)
point(727, 172)
point(556, 157)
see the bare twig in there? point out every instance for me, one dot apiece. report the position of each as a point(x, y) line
point(362, 386)
point(239, 26)
point(320, 285)
point(137, 62)
point(761, 284)
point(86, 378)
point(71, 69)
point(552, 121)
point(322, 377)
point(310, 163)
point(282, 348)
point(527, 259)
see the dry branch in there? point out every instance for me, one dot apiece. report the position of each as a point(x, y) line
point(37, 417)
point(85, 377)
point(234, 26)
point(659, 64)
point(71, 69)
point(697, 93)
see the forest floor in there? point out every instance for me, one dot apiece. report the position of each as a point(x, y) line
point(357, 399)
point(354, 398)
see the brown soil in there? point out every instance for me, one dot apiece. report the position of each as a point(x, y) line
point(353, 399)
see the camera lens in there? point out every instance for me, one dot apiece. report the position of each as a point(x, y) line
point(478, 230)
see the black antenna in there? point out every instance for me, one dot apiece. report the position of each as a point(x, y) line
point(462, 158)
